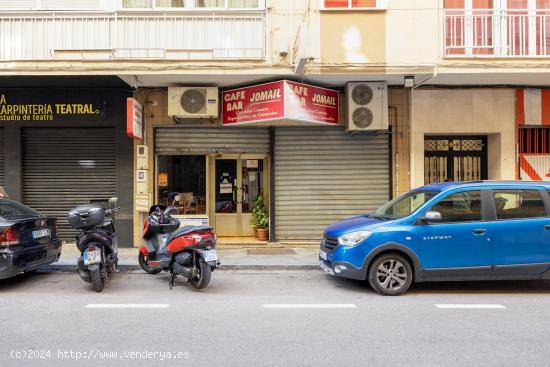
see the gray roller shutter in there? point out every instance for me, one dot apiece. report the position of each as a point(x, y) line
point(323, 175)
point(66, 167)
point(2, 154)
point(180, 140)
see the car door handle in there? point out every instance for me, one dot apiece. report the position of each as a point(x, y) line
point(547, 227)
point(479, 232)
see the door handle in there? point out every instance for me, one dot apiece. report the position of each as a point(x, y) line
point(479, 232)
point(547, 227)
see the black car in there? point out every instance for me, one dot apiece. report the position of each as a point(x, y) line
point(28, 240)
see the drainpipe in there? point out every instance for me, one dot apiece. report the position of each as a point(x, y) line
point(272, 237)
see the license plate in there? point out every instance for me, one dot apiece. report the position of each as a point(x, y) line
point(325, 268)
point(92, 257)
point(40, 233)
point(210, 255)
point(323, 255)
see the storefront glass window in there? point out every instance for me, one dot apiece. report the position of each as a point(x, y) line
point(185, 174)
point(226, 186)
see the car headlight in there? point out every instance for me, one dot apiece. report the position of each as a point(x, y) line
point(353, 238)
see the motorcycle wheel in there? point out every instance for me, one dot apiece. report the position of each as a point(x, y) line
point(202, 279)
point(142, 259)
point(97, 281)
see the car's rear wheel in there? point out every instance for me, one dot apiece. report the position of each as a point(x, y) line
point(390, 274)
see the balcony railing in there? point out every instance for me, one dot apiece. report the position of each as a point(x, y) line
point(496, 33)
point(100, 36)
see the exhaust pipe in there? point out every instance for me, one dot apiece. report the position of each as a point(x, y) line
point(184, 271)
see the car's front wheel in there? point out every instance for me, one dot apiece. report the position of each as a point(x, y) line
point(390, 274)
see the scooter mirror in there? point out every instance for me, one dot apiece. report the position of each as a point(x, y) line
point(177, 198)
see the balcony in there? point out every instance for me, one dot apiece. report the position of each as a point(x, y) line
point(118, 35)
point(496, 33)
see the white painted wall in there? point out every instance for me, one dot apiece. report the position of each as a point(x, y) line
point(465, 111)
point(413, 32)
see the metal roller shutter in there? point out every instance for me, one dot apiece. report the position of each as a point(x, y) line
point(323, 175)
point(66, 167)
point(2, 153)
point(179, 140)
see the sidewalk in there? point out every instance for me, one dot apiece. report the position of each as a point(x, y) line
point(276, 258)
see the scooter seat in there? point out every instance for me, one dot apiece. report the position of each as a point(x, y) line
point(186, 230)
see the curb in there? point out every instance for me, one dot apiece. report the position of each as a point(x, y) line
point(125, 268)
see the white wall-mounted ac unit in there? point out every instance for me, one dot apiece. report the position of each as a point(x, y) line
point(367, 106)
point(193, 102)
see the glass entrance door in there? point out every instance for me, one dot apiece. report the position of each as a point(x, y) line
point(238, 182)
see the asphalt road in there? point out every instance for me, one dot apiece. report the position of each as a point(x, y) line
point(287, 318)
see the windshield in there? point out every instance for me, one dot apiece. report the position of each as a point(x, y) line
point(404, 204)
point(10, 210)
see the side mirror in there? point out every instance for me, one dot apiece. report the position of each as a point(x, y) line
point(432, 216)
point(177, 198)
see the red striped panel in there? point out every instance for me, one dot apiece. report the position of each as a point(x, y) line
point(527, 168)
point(545, 105)
point(520, 107)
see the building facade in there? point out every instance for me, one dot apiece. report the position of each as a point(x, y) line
point(466, 100)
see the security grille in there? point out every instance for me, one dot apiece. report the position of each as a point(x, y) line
point(455, 159)
point(66, 167)
point(323, 175)
point(2, 152)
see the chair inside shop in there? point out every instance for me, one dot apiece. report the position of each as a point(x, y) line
point(189, 204)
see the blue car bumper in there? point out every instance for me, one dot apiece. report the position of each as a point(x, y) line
point(343, 262)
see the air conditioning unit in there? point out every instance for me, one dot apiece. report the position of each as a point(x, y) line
point(193, 102)
point(367, 106)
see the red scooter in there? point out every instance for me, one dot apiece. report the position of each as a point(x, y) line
point(187, 251)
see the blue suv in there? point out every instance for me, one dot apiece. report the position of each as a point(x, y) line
point(446, 231)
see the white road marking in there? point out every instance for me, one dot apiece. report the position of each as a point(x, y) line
point(469, 306)
point(127, 305)
point(308, 305)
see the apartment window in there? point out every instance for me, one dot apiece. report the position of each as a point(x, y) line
point(243, 4)
point(501, 28)
point(137, 3)
point(170, 3)
point(210, 3)
point(192, 4)
point(353, 4)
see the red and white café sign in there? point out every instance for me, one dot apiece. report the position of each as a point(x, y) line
point(263, 104)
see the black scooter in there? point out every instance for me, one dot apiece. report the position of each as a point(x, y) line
point(97, 242)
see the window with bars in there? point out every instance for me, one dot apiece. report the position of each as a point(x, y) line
point(534, 140)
